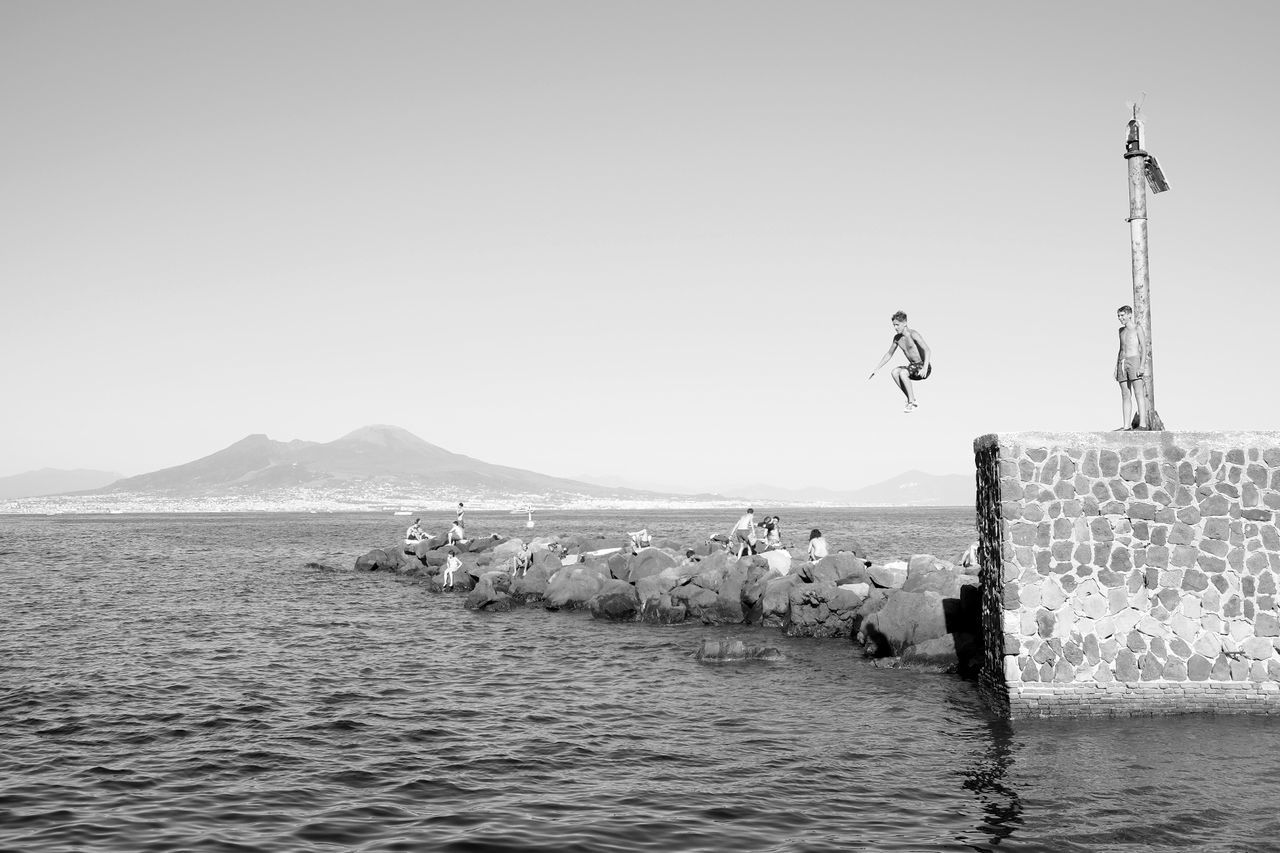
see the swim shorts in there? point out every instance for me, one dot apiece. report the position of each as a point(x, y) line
point(1128, 368)
point(914, 370)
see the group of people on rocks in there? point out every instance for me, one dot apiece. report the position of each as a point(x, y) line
point(748, 536)
point(745, 537)
point(457, 531)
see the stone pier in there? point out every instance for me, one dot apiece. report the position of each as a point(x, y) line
point(1128, 573)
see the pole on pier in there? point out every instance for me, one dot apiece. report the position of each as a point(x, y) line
point(1143, 169)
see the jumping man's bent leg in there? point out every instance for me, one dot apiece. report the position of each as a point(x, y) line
point(904, 384)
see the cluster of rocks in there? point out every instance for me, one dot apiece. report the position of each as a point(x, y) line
point(923, 612)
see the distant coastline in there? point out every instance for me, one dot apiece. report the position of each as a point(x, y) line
point(112, 504)
point(381, 466)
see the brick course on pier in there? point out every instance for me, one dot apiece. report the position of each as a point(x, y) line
point(1130, 572)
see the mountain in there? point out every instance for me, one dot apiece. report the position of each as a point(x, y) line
point(912, 488)
point(374, 464)
point(54, 481)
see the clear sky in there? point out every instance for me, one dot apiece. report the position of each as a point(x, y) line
point(655, 240)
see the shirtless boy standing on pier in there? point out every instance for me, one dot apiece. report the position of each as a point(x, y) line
point(1129, 372)
point(919, 364)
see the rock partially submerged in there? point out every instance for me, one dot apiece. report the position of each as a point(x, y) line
point(719, 651)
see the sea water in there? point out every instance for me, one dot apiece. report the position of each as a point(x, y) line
point(178, 682)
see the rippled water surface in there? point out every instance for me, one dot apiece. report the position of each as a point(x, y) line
point(188, 683)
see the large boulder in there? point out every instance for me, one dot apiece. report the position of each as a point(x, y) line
point(662, 610)
point(888, 576)
point(379, 560)
point(926, 572)
point(431, 543)
point(489, 593)
point(507, 551)
point(572, 586)
point(660, 584)
point(616, 601)
point(835, 569)
point(775, 603)
point(532, 584)
point(538, 544)
point(695, 599)
point(778, 560)
point(713, 566)
point(433, 559)
point(650, 561)
point(946, 582)
point(486, 543)
point(548, 560)
point(821, 610)
point(414, 568)
point(906, 619)
point(619, 565)
point(753, 589)
point(714, 594)
point(951, 653)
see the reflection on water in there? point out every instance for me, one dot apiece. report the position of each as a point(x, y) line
point(988, 779)
point(189, 683)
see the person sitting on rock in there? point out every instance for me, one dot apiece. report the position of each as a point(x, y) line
point(817, 545)
point(451, 565)
point(520, 562)
point(414, 535)
point(640, 538)
point(456, 534)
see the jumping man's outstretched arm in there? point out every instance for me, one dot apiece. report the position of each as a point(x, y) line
point(893, 346)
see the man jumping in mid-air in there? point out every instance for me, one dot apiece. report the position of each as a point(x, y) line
point(919, 358)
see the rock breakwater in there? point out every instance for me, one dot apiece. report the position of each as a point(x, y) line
point(922, 612)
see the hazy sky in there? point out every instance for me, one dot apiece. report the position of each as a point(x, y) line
point(660, 240)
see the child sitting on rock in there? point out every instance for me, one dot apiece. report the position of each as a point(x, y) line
point(451, 565)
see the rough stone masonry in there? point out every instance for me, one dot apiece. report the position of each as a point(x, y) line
point(1130, 573)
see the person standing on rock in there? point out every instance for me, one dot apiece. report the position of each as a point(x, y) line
point(742, 538)
point(919, 359)
point(461, 512)
point(1129, 372)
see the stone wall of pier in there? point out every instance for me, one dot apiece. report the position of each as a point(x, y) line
point(1128, 573)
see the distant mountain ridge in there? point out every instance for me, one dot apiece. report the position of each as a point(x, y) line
point(54, 481)
point(368, 461)
point(382, 466)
